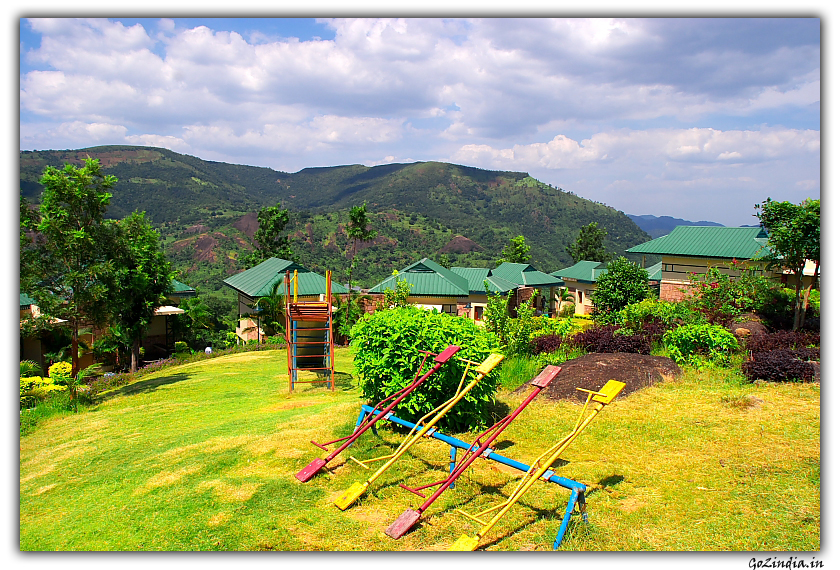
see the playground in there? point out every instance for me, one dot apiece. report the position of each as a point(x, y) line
point(204, 456)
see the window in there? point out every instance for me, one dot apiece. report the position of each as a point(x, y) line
point(450, 309)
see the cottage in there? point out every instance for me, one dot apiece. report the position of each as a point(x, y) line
point(529, 279)
point(691, 250)
point(480, 281)
point(258, 281)
point(580, 281)
point(432, 286)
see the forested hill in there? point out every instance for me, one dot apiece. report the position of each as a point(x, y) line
point(205, 210)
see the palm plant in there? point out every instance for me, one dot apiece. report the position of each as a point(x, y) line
point(271, 310)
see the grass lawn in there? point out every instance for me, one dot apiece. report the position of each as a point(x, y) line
point(203, 457)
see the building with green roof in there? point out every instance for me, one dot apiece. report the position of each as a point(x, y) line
point(432, 286)
point(691, 250)
point(480, 280)
point(258, 281)
point(529, 279)
point(580, 281)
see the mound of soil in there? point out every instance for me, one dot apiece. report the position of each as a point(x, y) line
point(592, 371)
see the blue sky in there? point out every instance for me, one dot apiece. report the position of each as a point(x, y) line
point(698, 118)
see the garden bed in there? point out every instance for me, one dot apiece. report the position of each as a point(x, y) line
point(592, 371)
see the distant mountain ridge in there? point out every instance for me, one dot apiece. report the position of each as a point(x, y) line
point(205, 211)
point(658, 226)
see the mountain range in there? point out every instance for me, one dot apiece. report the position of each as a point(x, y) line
point(206, 212)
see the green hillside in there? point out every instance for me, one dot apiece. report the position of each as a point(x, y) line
point(205, 211)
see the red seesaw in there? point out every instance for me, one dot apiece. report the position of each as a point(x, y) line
point(477, 449)
point(375, 415)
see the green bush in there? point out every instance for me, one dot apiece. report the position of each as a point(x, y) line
point(634, 316)
point(387, 356)
point(60, 372)
point(181, 347)
point(700, 345)
point(36, 388)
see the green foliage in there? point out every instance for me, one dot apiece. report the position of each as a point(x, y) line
point(794, 238)
point(387, 356)
point(519, 331)
point(271, 310)
point(345, 317)
point(67, 268)
point(35, 388)
point(60, 372)
point(397, 297)
point(29, 368)
point(141, 279)
point(516, 251)
point(720, 297)
point(270, 237)
point(589, 245)
point(701, 345)
point(181, 347)
point(634, 316)
point(621, 284)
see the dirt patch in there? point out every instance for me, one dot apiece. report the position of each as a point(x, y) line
point(460, 244)
point(248, 224)
point(592, 371)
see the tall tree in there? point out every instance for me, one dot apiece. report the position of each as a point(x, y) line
point(270, 237)
point(357, 230)
point(794, 238)
point(141, 279)
point(589, 245)
point(67, 275)
point(516, 251)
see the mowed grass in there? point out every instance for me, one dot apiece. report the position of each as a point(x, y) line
point(203, 457)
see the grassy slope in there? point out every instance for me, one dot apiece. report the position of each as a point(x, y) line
point(203, 457)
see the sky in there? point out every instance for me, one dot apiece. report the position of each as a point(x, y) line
point(696, 118)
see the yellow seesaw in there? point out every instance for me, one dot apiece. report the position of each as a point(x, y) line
point(483, 369)
point(606, 395)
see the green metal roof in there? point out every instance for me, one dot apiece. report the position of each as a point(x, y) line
point(427, 278)
point(182, 289)
point(587, 271)
point(525, 275)
point(26, 301)
point(479, 280)
point(258, 280)
point(708, 241)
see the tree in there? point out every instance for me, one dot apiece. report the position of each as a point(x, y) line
point(142, 277)
point(357, 230)
point(271, 310)
point(589, 245)
point(66, 265)
point(270, 238)
point(794, 238)
point(516, 251)
point(621, 284)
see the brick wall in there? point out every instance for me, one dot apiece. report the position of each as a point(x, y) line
point(673, 291)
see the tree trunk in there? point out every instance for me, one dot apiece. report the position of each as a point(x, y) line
point(74, 349)
point(807, 295)
point(797, 304)
point(135, 354)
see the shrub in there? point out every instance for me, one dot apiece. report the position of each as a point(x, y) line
point(623, 283)
point(60, 372)
point(35, 388)
point(805, 343)
point(608, 339)
point(181, 347)
point(780, 365)
point(387, 356)
point(700, 345)
point(547, 343)
point(30, 368)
